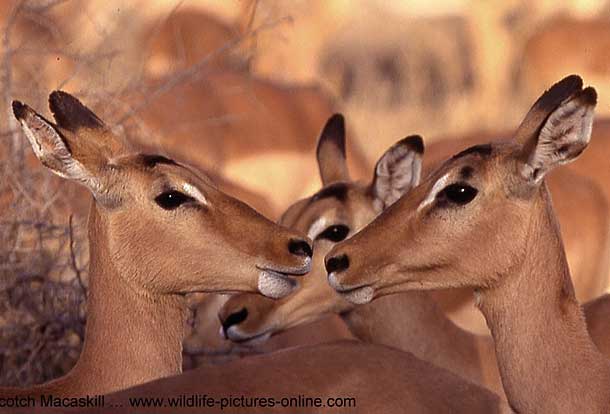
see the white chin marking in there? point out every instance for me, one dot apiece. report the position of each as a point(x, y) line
point(274, 285)
point(359, 296)
point(238, 337)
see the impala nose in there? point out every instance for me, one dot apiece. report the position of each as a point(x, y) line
point(337, 264)
point(300, 247)
point(234, 318)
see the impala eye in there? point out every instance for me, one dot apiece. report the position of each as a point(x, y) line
point(334, 233)
point(458, 193)
point(170, 200)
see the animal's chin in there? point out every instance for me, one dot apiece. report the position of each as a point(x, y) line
point(246, 340)
point(275, 285)
point(359, 295)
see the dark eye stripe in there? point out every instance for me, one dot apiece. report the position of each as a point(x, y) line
point(334, 233)
point(170, 200)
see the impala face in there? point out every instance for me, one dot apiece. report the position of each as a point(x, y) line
point(337, 211)
point(165, 225)
point(468, 223)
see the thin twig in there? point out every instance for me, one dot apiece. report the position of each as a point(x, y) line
point(8, 76)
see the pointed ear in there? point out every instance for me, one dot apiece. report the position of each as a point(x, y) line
point(88, 137)
point(561, 137)
point(78, 147)
point(331, 151)
point(397, 171)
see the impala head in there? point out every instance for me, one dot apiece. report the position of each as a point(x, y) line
point(164, 226)
point(341, 208)
point(467, 223)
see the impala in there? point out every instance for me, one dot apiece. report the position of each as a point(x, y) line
point(581, 204)
point(410, 321)
point(135, 201)
point(157, 230)
point(484, 219)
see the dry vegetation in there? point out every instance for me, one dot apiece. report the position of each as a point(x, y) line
point(43, 245)
point(382, 87)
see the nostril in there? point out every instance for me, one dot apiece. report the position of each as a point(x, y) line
point(234, 319)
point(300, 248)
point(337, 263)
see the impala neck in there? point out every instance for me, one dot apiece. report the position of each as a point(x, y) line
point(547, 360)
point(131, 337)
point(413, 321)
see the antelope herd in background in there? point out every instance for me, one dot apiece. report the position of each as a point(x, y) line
point(440, 280)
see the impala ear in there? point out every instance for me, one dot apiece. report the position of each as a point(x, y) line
point(562, 136)
point(397, 171)
point(331, 151)
point(77, 148)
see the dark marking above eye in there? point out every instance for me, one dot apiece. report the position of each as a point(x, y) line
point(484, 150)
point(466, 172)
point(150, 161)
point(336, 190)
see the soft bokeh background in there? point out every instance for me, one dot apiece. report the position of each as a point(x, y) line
point(240, 89)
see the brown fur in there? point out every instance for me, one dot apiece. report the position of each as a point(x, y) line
point(505, 242)
point(381, 379)
point(580, 197)
point(410, 321)
point(136, 289)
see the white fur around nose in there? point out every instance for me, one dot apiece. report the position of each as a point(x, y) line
point(357, 296)
point(275, 286)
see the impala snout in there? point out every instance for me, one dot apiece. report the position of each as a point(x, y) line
point(244, 318)
point(300, 248)
point(277, 271)
point(300, 253)
point(232, 319)
point(337, 265)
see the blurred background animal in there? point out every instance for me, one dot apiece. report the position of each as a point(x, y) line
point(250, 84)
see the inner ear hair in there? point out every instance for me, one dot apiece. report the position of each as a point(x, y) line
point(51, 145)
point(563, 136)
point(397, 171)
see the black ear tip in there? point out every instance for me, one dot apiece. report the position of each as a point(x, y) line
point(414, 142)
point(57, 98)
point(573, 79)
point(336, 117)
point(336, 123)
point(589, 95)
point(333, 132)
point(19, 109)
point(569, 83)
